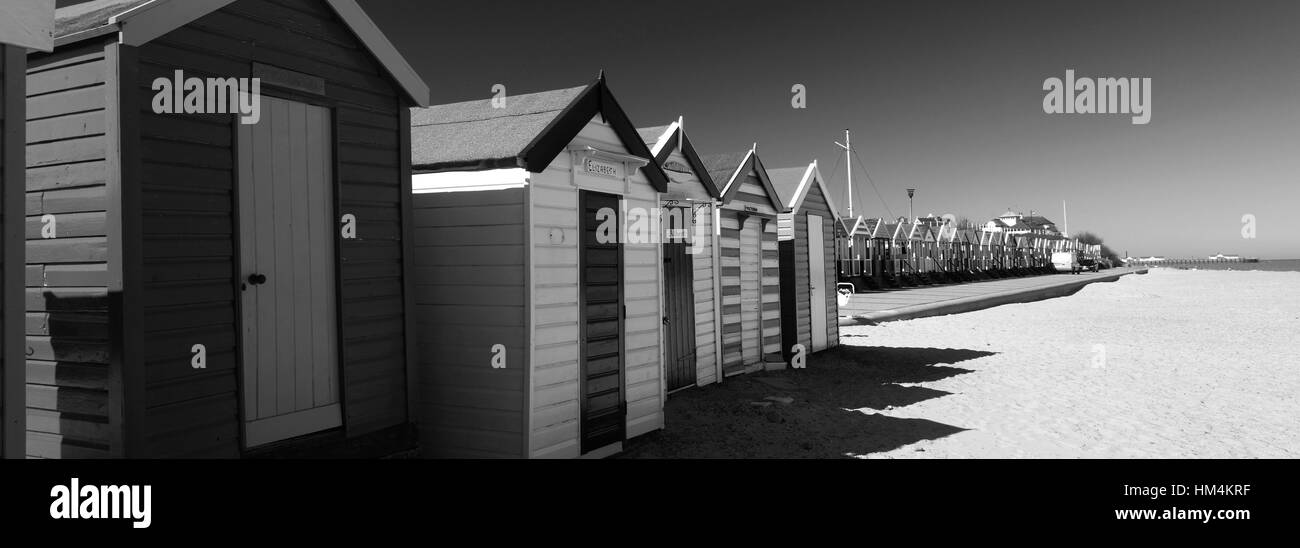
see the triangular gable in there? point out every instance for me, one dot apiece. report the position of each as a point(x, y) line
point(902, 232)
point(848, 226)
point(751, 164)
point(812, 175)
point(140, 22)
point(597, 99)
point(530, 133)
point(675, 138)
point(859, 224)
point(915, 232)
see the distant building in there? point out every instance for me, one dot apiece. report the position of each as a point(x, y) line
point(1016, 223)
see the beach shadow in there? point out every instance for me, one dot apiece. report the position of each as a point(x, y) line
point(823, 411)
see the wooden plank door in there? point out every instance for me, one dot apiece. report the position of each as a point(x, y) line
point(817, 281)
point(600, 320)
point(287, 268)
point(751, 328)
point(679, 315)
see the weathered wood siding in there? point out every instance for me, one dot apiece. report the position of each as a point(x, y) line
point(706, 333)
point(771, 284)
point(729, 249)
point(554, 402)
point(190, 275)
point(742, 339)
point(796, 304)
point(470, 295)
point(706, 299)
point(67, 325)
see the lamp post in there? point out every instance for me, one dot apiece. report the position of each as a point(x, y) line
point(910, 192)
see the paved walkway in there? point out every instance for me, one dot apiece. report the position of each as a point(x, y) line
point(920, 302)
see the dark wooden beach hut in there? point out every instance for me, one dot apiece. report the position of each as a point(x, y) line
point(539, 277)
point(806, 243)
point(219, 284)
point(750, 263)
point(24, 25)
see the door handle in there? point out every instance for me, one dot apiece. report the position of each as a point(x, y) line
point(667, 320)
point(256, 279)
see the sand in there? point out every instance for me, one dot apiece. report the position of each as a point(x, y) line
point(1180, 364)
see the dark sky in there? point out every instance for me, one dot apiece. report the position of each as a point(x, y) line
point(945, 97)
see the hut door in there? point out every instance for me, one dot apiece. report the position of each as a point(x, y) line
point(286, 267)
point(817, 282)
point(679, 315)
point(600, 320)
point(751, 339)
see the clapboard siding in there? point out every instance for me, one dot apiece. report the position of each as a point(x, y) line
point(750, 269)
point(706, 333)
point(465, 408)
point(68, 344)
point(554, 402)
point(795, 271)
point(771, 290)
point(729, 248)
point(190, 230)
point(689, 185)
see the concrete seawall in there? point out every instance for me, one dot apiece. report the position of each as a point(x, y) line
point(906, 304)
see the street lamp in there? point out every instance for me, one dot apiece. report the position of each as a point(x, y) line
point(910, 192)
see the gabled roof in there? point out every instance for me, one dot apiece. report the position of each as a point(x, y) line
point(885, 230)
point(529, 132)
point(1037, 221)
point(792, 185)
point(726, 169)
point(853, 226)
point(138, 22)
point(663, 140)
point(903, 231)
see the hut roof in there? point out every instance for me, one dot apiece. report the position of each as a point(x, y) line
point(529, 131)
point(663, 140)
point(724, 168)
point(149, 19)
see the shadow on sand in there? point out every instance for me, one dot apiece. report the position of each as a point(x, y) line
point(830, 413)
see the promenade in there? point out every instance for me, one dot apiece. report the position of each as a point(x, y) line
point(919, 302)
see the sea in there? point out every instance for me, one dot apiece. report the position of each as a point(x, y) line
point(1277, 265)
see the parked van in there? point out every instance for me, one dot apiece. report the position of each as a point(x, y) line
point(1066, 261)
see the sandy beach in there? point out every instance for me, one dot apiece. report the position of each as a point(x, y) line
point(1185, 364)
point(1180, 364)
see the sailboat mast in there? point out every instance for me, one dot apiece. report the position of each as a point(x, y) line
point(1066, 214)
point(848, 161)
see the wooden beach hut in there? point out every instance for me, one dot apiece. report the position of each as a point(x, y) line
point(538, 277)
point(692, 356)
point(851, 252)
point(749, 266)
point(900, 253)
point(205, 280)
point(880, 236)
point(24, 25)
point(806, 244)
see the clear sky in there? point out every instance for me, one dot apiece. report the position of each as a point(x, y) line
point(945, 97)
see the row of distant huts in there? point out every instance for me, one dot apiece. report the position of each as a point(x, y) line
point(880, 253)
point(361, 273)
